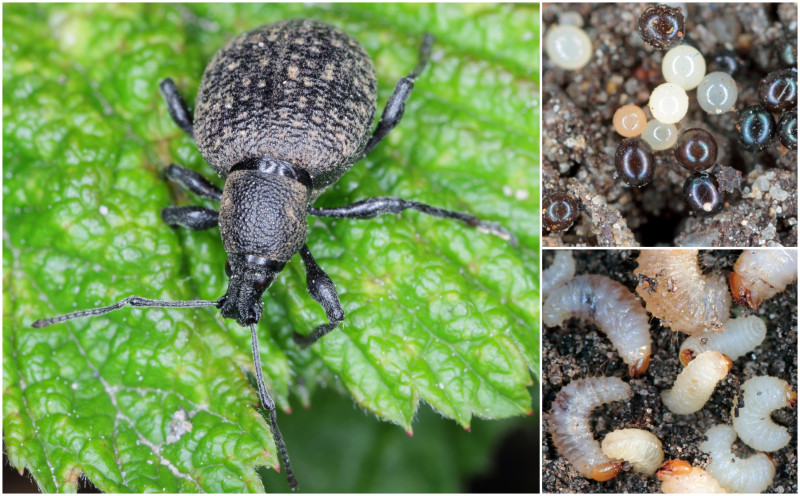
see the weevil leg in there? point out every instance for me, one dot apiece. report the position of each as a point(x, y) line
point(381, 205)
point(194, 217)
point(396, 105)
point(269, 405)
point(193, 182)
point(176, 106)
point(322, 290)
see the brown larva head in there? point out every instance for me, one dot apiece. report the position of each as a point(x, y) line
point(728, 362)
point(791, 397)
point(687, 356)
point(672, 468)
point(606, 471)
point(741, 294)
point(640, 367)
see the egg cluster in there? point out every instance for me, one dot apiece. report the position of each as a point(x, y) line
point(667, 90)
point(684, 69)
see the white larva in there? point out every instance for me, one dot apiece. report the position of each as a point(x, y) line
point(760, 274)
point(696, 382)
point(742, 335)
point(560, 271)
point(738, 475)
point(762, 395)
point(568, 424)
point(676, 291)
point(678, 477)
point(640, 448)
point(610, 305)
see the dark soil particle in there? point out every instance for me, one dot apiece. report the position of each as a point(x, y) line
point(579, 140)
point(578, 349)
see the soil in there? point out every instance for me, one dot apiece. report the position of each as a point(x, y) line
point(577, 349)
point(579, 141)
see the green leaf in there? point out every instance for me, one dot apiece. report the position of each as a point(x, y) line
point(435, 310)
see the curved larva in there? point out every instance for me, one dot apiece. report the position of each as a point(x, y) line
point(675, 291)
point(560, 271)
point(639, 448)
point(615, 310)
point(738, 475)
point(742, 335)
point(679, 477)
point(762, 395)
point(569, 424)
point(696, 382)
point(759, 274)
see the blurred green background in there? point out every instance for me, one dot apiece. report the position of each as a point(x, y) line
point(438, 314)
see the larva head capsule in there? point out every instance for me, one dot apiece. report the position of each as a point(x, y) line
point(640, 367)
point(671, 468)
point(791, 396)
point(606, 471)
point(741, 294)
point(687, 356)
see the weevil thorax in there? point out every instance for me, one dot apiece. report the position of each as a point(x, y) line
point(262, 222)
point(299, 91)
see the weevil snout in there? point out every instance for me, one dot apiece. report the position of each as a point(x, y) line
point(248, 277)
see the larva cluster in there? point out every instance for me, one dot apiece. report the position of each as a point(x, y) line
point(638, 447)
point(614, 309)
point(676, 291)
point(696, 382)
point(760, 274)
point(569, 424)
point(742, 335)
point(762, 395)
point(763, 343)
point(738, 475)
point(678, 477)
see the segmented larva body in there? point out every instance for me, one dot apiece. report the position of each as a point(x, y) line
point(742, 335)
point(676, 291)
point(640, 448)
point(560, 271)
point(678, 477)
point(612, 307)
point(696, 382)
point(569, 424)
point(760, 274)
point(738, 475)
point(762, 395)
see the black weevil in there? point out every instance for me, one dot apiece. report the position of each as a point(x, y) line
point(282, 112)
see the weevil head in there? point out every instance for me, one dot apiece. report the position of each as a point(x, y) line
point(248, 277)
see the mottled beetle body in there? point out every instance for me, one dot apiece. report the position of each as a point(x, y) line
point(282, 112)
point(299, 91)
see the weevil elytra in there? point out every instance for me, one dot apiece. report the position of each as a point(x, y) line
point(282, 112)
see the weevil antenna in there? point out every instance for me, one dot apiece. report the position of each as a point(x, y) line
point(134, 301)
point(269, 405)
